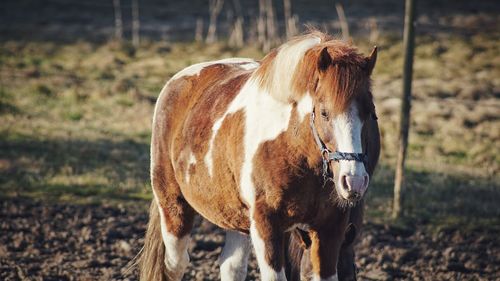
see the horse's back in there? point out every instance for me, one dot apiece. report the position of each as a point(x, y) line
point(186, 116)
point(199, 89)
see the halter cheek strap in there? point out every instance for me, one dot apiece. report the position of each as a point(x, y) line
point(327, 155)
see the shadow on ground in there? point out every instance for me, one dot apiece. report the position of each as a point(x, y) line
point(437, 199)
point(58, 167)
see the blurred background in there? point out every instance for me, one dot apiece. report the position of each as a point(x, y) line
point(78, 82)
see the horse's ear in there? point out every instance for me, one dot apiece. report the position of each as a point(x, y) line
point(350, 234)
point(371, 60)
point(324, 59)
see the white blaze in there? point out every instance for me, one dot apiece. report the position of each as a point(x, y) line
point(347, 131)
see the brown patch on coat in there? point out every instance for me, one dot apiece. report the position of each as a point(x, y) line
point(185, 115)
point(217, 198)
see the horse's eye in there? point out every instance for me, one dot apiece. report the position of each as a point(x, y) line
point(324, 114)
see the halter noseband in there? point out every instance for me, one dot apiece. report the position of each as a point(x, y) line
point(327, 155)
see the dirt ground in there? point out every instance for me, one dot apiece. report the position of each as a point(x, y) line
point(43, 241)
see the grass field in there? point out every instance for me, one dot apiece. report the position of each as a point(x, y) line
point(75, 122)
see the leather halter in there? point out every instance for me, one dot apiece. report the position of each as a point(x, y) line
point(327, 155)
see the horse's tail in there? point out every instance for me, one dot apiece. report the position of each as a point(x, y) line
point(151, 261)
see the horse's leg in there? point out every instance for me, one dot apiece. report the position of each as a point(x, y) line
point(325, 249)
point(347, 266)
point(268, 240)
point(176, 219)
point(234, 257)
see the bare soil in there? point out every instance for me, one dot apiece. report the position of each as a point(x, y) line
point(42, 241)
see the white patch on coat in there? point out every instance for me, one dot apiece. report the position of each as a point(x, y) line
point(347, 131)
point(334, 277)
point(265, 119)
point(267, 273)
point(234, 257)
point(304, 106)
point(208, 159)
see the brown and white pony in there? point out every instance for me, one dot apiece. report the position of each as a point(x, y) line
point(251, 147)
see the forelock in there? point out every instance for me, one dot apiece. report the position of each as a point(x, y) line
point(342, 82)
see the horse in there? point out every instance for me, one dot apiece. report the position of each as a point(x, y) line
point(263, 150)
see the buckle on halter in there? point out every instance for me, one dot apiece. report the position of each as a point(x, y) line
point(327, 172)
point(325, 153)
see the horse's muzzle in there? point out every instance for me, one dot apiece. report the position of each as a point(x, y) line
point(353, 186)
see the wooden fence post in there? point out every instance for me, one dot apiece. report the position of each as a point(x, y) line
point(215, 7)
point(135, 23)
point(409, 47)
point(344, 26)
point(117, 8)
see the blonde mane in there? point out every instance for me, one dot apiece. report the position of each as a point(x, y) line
point(292, 69)
point(275, 74)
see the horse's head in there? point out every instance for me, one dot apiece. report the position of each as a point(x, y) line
point(342, 104)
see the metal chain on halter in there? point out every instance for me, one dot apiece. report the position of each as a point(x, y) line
point(327, 155)
point(327, 172)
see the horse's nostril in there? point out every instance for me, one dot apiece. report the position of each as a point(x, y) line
point(367, 179)
point(344, 182)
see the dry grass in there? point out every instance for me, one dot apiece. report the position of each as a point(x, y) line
point(455, 116)
point(75, 120)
